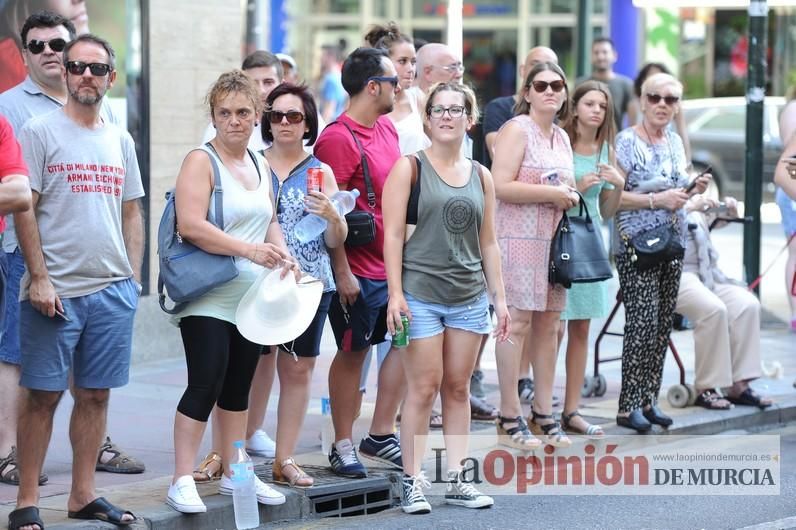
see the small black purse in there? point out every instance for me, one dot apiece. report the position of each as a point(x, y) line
point(655, 245)
point(577, 253)
point(361, 224)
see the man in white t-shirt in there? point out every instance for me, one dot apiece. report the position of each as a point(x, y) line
point(83, 243)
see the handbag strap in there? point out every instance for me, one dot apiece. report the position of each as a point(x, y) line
point(217, 188)
point(363, 160)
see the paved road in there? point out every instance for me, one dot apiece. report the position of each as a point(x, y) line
point(614, 512)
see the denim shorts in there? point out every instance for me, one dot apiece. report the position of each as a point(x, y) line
point(363, 324)
point(788, 208)
point(429, 319)
point(94, 344)
point(9, 343)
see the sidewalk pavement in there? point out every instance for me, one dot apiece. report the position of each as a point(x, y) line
point(141, 419)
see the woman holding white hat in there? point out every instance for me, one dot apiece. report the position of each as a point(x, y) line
point(290, 121)
point(220, 360)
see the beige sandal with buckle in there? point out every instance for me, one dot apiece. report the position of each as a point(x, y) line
point(207, 470)
point(299, 478)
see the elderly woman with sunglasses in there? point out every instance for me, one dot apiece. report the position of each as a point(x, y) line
point(653, 161)
point(289, 120)
point(534, 186)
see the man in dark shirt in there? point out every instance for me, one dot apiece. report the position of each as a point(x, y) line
point(603, 58)
point(500, 110)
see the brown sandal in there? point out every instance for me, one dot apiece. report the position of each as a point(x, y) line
point(204, 474)
point(299, 479)
point(9, 472)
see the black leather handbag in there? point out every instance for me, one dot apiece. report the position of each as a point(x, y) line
point(577, 252)
point(361, 223)
point(655, 245)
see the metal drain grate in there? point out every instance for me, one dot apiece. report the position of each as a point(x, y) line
point(335, 496)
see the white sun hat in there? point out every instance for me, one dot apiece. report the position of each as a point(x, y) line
point(278, 310)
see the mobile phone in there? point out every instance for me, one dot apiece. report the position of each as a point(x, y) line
point(693, 183)
point(551, 177)
point(63, 316)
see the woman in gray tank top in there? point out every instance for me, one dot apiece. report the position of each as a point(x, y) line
point(441, 253)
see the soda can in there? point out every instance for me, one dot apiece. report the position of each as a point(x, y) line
point(314, 179)
point(401, 337)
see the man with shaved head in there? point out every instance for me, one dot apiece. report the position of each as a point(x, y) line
point(500, 110)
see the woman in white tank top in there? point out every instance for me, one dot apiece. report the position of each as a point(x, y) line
point(405, 115)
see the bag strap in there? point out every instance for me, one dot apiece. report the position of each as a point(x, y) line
point(162, 298)
point(363, 160)
point(217, 188)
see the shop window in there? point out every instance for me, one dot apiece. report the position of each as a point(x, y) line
point(564, 6)
point(478, 8)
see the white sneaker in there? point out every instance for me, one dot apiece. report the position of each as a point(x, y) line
point(261, 444)
point(265, 493)
point(183, 496)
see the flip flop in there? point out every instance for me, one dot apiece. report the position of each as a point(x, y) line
point(102, 510)
point(27, 516)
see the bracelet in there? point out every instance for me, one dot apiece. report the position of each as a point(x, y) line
point(652, 201)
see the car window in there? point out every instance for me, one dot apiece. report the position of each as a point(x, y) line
point(726, 119)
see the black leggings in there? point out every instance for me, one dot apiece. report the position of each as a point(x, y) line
point(221, 365)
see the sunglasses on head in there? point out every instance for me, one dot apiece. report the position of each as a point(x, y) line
point(96, 69)
point(293, 116)
point(382, 79)
point(654, 99)
point(37, 46)
point(541, 86)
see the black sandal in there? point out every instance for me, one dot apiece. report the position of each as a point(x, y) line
point(27, 516)
point(552, 431)
point(750, 398)
point(592, 431)
point(710, 399)
point(518, 437)
point(102, 510)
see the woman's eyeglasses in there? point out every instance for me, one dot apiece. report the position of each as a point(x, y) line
point(37, 46)
point(541, 86)
point(293, 116)
point(96, 69)
point(654, 99)
point(454, 111)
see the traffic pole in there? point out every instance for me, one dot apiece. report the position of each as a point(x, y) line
point(583, 38)
point(755, 97)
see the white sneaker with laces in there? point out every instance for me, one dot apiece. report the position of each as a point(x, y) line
point(261, 444)
point(265, 493)
point(183, 496)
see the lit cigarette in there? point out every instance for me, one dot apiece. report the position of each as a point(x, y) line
point(510, 342)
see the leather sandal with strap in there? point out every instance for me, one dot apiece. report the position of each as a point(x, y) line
point(591, 431)
point(552, 431)
point(204, 473)
point(298, 479)
point(9, 472)
point(518, 437)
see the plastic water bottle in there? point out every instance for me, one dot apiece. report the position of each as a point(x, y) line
point(327, 430)
point(311, 226)
point(244, 494)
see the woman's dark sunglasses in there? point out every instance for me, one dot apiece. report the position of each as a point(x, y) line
point(541, 86)
point(654, 99)
point(293, 116)
point(37, 46)
point(96, 69)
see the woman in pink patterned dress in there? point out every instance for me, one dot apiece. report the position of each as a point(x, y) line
point(534, 186)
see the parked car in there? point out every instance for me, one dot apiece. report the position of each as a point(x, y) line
point(717, 131)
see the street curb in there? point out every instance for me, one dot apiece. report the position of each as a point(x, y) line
point(299, 503)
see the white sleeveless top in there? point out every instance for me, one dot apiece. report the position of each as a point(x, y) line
point(411, 137)
point(247, 214)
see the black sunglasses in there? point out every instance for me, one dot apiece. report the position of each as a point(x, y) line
point(96, 69)
point(381, 79)
point(654, 99)
point(541, 86)
point(293, 116)
point(37, 46)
